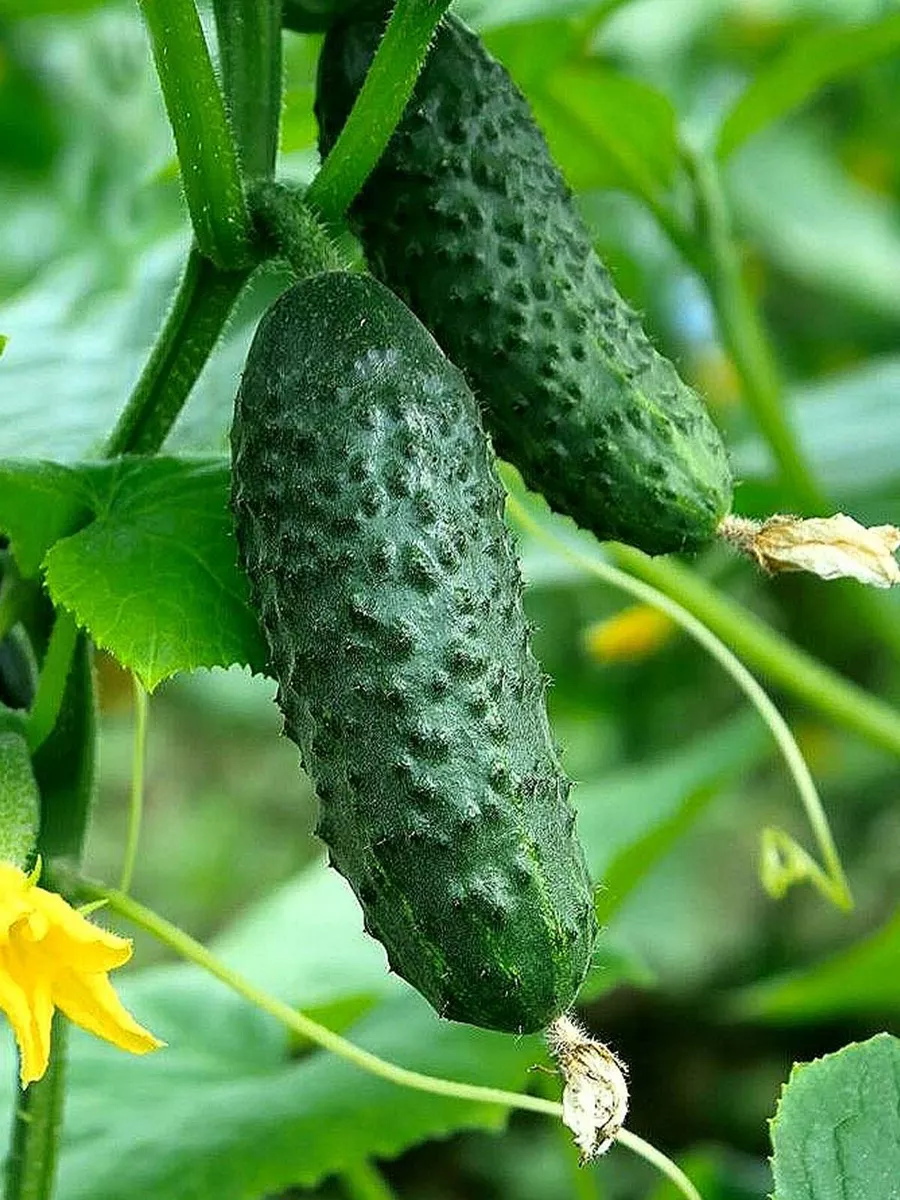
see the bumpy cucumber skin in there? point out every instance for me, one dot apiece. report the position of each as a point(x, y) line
point(468, 219)
point(369, 520)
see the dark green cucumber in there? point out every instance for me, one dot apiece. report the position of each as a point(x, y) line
point(468, 219)
point(369, 521)
point(313, 16)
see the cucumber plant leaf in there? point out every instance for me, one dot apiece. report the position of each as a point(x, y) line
point(607, 130)
point(142, 551)
point(806, 66)
point(836, 1135)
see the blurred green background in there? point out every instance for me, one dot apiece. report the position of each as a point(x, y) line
point(676, 776)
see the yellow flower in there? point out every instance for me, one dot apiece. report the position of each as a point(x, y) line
point(52, 957)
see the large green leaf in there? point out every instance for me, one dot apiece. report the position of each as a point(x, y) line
point(807, 65)
point(40, 502)
point(607, 130)
point(836, 1134)
point(143, 553)
point(863, 980)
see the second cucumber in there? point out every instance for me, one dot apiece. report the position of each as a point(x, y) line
point(468, 219)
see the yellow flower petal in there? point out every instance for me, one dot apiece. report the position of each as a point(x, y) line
point(74, 941)
point(91, 1002)
point(27, 1002)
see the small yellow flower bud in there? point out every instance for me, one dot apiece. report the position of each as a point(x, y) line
point(630, 635)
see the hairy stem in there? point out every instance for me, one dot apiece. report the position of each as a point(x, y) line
point(37, 1121)
point(378, 108)
point(202, 304)
point(136, 807)
point(249, 36)
point(206, 150)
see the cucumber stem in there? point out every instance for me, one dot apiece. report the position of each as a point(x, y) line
point(37, 1120)
point(286, 228)
point(378, 107)
point(206, 149)
point(249, 37)
point(202, 304)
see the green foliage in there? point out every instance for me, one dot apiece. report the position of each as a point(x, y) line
point(142, 552)
point(836, 1134)
point(808, 64)
point(273, 1115)
point(704, 985)
point(861, 981)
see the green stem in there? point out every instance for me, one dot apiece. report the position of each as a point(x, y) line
point(657, 1159)
point(797, 865)
point(378, 108)
point(204, 300)
point(363, 1181)
point(186, 947)
point(745, 336)
point(136, 807)
point(53, 678)
point(776, 658)
point(37, 1121)
point(249, 36)
point(287, 229)
point(206, 151)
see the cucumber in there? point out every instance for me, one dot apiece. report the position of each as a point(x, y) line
point(314, 16)
point(369, 520)
point(468, 219)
